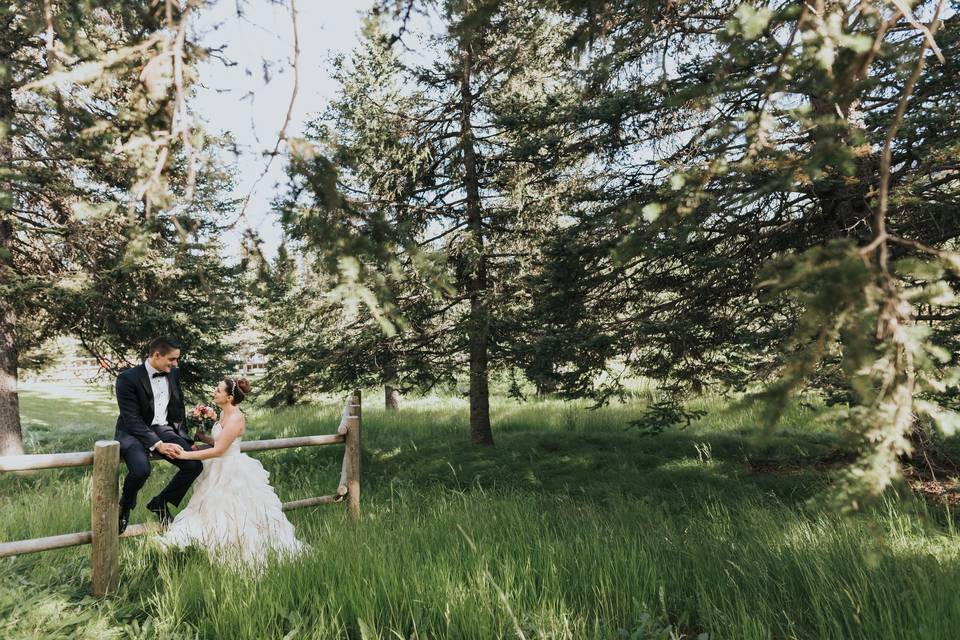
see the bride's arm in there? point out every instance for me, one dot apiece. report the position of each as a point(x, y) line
point(228, 433)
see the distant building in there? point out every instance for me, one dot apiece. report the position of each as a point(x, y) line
point(76, 365)
point(254, 364)
point(75, 368)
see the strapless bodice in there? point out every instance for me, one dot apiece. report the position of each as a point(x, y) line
point(234, 446)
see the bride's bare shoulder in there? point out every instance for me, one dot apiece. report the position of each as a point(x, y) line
point(237, 421)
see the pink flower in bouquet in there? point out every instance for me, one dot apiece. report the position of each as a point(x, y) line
point(203, 417)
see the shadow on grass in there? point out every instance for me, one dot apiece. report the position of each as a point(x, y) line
point(596, 466)
point(552, 448)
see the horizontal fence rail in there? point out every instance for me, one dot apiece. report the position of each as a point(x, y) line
point(34, 461)
point(286, 443)
point(37, 461)
point(105, 494)
point(45, 544)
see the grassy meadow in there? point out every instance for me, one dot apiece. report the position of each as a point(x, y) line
point(572, 526)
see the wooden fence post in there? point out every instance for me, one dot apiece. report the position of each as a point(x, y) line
point(353, 456)
point(104, 513)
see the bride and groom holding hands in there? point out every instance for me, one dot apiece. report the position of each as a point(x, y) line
point(234, 513)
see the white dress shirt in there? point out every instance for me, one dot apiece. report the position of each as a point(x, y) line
point(161, 396)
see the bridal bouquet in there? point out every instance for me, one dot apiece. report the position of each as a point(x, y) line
point(202, 418)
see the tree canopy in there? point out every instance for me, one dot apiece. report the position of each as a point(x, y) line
point(757, 197)
point(111, 195)
point(744, 193)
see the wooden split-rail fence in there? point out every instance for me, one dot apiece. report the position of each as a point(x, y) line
point(103, 537)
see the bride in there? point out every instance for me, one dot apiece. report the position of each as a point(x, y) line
point(234, 512)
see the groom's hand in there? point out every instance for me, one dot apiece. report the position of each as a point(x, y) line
point(169, 449)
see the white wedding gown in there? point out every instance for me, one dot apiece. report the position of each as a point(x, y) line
point(234, 513)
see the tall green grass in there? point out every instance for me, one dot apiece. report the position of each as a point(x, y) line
point(572, 526)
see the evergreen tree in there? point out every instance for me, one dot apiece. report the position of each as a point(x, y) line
point(420, 182)
point(110, 194)
point(772, 201)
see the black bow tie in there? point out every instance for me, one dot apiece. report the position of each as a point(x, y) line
point(161, 374)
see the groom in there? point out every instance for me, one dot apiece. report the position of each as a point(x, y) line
point(153, 420)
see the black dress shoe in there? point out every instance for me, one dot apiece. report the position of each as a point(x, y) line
point(159, 508)
point(124, 518)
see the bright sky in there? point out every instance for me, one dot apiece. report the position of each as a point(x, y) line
point(240, 101)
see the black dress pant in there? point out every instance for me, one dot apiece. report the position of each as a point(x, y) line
point(138, 470)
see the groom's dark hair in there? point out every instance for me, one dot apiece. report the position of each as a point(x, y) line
point(163, 344)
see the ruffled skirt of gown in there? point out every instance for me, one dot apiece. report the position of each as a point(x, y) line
point(234, 514)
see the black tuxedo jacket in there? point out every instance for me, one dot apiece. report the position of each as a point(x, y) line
point(135, 399)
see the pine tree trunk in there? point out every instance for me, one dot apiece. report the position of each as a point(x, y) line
point(391, 395)
point(11, 438)
point(546, 385)
point(479, 323)
point(391, 398)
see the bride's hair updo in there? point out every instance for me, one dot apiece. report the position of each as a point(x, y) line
point(237, 388)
